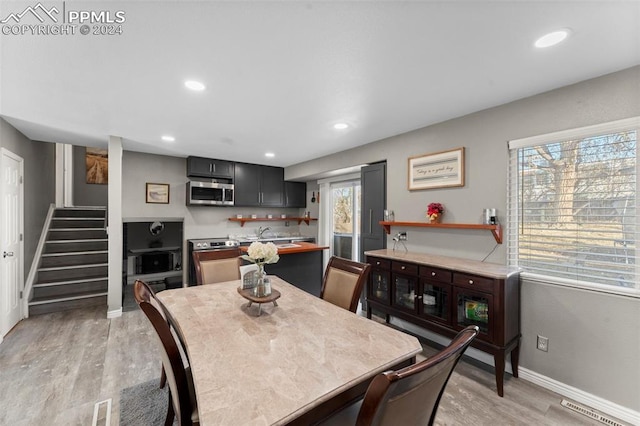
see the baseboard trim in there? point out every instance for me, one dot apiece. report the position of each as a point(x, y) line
point(595, 402)
point(114, 314)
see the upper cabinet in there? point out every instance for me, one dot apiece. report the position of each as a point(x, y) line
point(257, 185)
point(295, 194)
point(209, 168)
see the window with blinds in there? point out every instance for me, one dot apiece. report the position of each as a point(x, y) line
point(572, 206)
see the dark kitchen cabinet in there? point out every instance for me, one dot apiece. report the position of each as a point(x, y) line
point(428, 292)
point(373, 179)
point(295, 194)
point(209, 168)
point(256, 185)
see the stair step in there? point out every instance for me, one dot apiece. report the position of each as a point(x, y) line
point(63, 288)
point(66, 273)
point(80, 212)
point(56, 234)
point(61, 246)
point(58, 283)
point(76, 222)
point(60, 268)
point(49, 260)
point(74, 253)
point(67, 302)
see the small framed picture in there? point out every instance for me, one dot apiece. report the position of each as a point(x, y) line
point(157, 193)
point(437, 170)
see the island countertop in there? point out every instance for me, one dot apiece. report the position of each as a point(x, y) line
point(291, 248)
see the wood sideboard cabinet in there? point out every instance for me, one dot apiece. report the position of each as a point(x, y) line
point(445, 294)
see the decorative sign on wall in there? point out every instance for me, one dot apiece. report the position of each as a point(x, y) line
point(97, 165)
point(437, 170)
point(157, 193)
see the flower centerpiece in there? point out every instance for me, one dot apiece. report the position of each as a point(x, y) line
point(261, 254)
point(434, 212)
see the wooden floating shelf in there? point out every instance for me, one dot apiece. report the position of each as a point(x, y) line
point(243, 220)
point(496, 230)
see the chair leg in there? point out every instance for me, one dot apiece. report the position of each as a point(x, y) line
point(170, 412)
point(163, 378)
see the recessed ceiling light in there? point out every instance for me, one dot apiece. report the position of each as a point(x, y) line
point(340, 126)
point(552, 38)
point(194, 85)
point(168, 138)
point(269, 154)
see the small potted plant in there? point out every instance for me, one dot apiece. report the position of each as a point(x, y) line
point(434, 212)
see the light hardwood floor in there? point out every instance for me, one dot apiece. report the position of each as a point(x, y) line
point(55, 367)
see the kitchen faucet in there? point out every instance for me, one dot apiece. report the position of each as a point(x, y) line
point(262, 230)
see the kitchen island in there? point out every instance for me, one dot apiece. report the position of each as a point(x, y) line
point(300, 264)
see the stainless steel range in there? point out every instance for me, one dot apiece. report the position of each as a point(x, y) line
point(207, 244)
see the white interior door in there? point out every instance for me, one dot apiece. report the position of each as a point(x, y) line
point(11, 228)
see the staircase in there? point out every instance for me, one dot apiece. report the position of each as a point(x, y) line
point(73, 270)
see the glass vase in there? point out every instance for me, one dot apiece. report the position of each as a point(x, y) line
point(263, 284)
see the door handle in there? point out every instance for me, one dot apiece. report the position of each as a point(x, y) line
point(7, 254)
point(370, 220)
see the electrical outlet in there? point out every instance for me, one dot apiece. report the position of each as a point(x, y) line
point(543, 343)
point(402, 236)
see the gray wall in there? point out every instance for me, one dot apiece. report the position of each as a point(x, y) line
point(593, 342)
point(85, 194)
point(39, 183)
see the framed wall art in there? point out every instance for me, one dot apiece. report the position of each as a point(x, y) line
point(157, 193)
point(437, 170)
point(97, 165)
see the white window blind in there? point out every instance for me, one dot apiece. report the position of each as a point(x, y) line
point(572, 206)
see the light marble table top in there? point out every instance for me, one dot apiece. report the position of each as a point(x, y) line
point(270, 369)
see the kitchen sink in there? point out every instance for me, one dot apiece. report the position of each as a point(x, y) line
point(287, 245)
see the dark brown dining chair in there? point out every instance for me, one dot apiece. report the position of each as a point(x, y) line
point(182, 401)
point(217, 266)
point(158, 305)
point(343, 282)
point(409, 396)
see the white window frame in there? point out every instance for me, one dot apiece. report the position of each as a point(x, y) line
point(513, 209)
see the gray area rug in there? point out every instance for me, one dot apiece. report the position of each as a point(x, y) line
point(144, 404)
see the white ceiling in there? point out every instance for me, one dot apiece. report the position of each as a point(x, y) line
point(280, 74)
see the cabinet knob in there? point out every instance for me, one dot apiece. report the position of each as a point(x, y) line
point(377, 263)
point(433, 274)
point(403, 268)
point(470, 281)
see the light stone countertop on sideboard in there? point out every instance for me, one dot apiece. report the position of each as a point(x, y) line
point(492, 270)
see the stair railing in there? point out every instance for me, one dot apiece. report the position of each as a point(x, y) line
point(33, 272)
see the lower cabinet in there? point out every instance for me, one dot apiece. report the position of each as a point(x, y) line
point(447, 300)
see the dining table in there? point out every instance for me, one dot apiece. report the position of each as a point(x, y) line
point(295, 363)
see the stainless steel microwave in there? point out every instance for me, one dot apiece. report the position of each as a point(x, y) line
point(209, 193)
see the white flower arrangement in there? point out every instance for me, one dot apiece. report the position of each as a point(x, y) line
point(261, 253)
